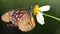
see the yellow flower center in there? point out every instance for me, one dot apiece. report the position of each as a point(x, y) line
point(36, 9)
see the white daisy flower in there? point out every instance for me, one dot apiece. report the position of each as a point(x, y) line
point(38, 12)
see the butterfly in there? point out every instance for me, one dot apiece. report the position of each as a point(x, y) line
point(23, 18)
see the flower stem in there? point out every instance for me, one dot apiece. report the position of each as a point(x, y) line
point(51, 16)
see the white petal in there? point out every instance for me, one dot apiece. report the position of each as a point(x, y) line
point(45, 8)
point(40, 18)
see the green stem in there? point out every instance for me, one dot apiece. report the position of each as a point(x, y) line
point(51, 16)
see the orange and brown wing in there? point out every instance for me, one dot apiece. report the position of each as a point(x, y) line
point(6, 17)
point(26, 23)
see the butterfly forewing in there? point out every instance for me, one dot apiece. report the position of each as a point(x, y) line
point(26, 23)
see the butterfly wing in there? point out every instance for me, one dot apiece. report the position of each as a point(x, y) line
point(6, 17)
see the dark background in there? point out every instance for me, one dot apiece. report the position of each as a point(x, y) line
point(51, 26)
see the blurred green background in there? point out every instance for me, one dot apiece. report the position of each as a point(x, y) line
point(51, 26)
